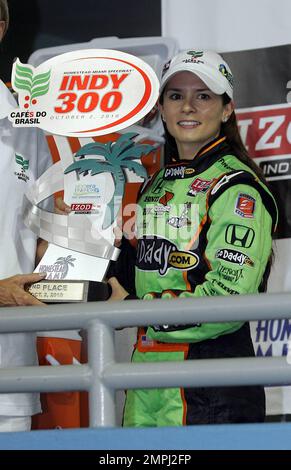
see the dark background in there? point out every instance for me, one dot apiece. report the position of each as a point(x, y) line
point(35, 24)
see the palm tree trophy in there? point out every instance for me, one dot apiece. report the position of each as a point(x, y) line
point(119, 156)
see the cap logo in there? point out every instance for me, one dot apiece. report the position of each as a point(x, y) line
point(195, 54)
point(166, 67)
point(226, 74)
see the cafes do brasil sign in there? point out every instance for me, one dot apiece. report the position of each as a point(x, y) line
point(84, 93)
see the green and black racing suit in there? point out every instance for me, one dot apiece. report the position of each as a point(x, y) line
point(205, 229)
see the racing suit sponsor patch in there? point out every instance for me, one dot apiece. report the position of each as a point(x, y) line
point(234, 256)
point(230, 274)
point(183, 219)
point(224, 180)
point(166, 198)
point(178, 172)
point(198, 186)
point(239, 236)
point(159, 254)
point(158, 186)
point(224, 287)
point(245, 206)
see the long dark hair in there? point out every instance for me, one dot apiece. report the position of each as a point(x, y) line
point(233, 138)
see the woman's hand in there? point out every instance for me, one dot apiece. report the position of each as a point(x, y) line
point(118, 292)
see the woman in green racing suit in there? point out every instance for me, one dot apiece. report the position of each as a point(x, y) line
point(204, 229)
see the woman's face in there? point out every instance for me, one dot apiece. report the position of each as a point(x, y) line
point(192, 112)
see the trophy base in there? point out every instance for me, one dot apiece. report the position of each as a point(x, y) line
point(68, 291)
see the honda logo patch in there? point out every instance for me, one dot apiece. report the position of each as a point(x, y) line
point(239, 235)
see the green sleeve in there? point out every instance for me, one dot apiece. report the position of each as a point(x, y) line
point(238, 248)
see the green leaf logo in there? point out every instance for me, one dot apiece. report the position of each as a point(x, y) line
point(195, 54)
point(23, 163)
point(35, 84)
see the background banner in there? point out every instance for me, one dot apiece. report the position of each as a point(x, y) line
point(258, 36)
point(226, 25)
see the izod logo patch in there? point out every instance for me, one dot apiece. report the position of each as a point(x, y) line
point(82, 208)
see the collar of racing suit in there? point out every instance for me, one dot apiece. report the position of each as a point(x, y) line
point(207, 155)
